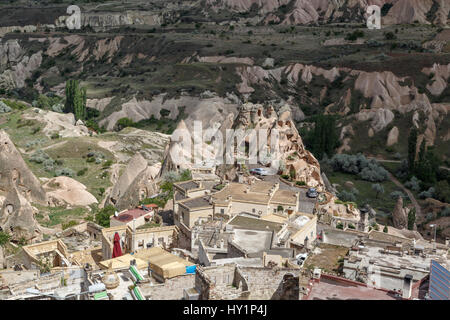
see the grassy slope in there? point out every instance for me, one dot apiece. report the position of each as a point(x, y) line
point(384, 204)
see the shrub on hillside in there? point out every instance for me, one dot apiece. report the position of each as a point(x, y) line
point(366, 169)
point(396, 194)
point(49, 165)
point(430, 193)
point(64, 172)
point(39, 156)
point(413, 184)
point(4, 238)
point(4, 108)
point(445, 212)
point(347, 196)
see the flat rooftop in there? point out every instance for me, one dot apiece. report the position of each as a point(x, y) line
point(328, 289)
point(395, 261)
point(258, 192)
point(253, 241)
point(241, 222)
point(196, 203)
point(188, 185)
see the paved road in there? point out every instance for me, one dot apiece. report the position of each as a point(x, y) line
point(306, 204)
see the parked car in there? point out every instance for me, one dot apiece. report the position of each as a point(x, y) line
point(259, 171)
point(301, 257)
point(312, 193)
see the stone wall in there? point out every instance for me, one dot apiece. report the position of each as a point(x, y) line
point(234, 251)
point(171, 289)
point(339, 237)
point(268, 284)
point(231, 282)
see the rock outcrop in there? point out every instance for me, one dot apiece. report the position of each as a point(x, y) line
point(203, 109)
point(392, 137)
point(67, 191)
point(291, 157)
point(400, 215)
point(137, 182)
point(62, 123)
point(14, 172)
point(17, 216)
point(15, 65)
point(328, 11)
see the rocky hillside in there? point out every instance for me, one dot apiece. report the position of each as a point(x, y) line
point(290, 155)
point(46, 179)
point(292, 12)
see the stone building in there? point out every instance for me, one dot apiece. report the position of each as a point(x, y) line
point(132, 240)
point(229, 282)
point(258, 199)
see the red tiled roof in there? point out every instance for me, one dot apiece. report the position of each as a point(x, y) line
point(129, 215)
point(151, 205)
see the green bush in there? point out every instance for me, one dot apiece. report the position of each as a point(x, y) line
point(39, 157)
point(4, 238)
point(69, 224)
point(301, 183)
point(82, 172)
point(107, 164)
point(64, 172)
point(102, 217)
point(4, 108)
point(124, 123)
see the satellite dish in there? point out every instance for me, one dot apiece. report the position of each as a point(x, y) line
point(116, 214)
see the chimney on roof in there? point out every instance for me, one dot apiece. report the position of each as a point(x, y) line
point(407, 286)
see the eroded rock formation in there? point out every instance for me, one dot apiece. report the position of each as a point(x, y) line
point(136, 183)
point(400, 215)
point(326, 11)
point(14, 172)
point(17, 216)
point(64, 190)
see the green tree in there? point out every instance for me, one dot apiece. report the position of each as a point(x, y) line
point(378, 188)
point(324, 139)
point(102, 217)
point(412, 145)
point(4, 238)
point(411, 218)
point(75, 100)
point(427, 167)
point(443, 191)
point(422, 151)
point(385, 229)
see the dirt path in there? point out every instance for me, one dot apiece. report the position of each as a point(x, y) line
point(409, 193)
point(45, 148)
point(398, 161)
